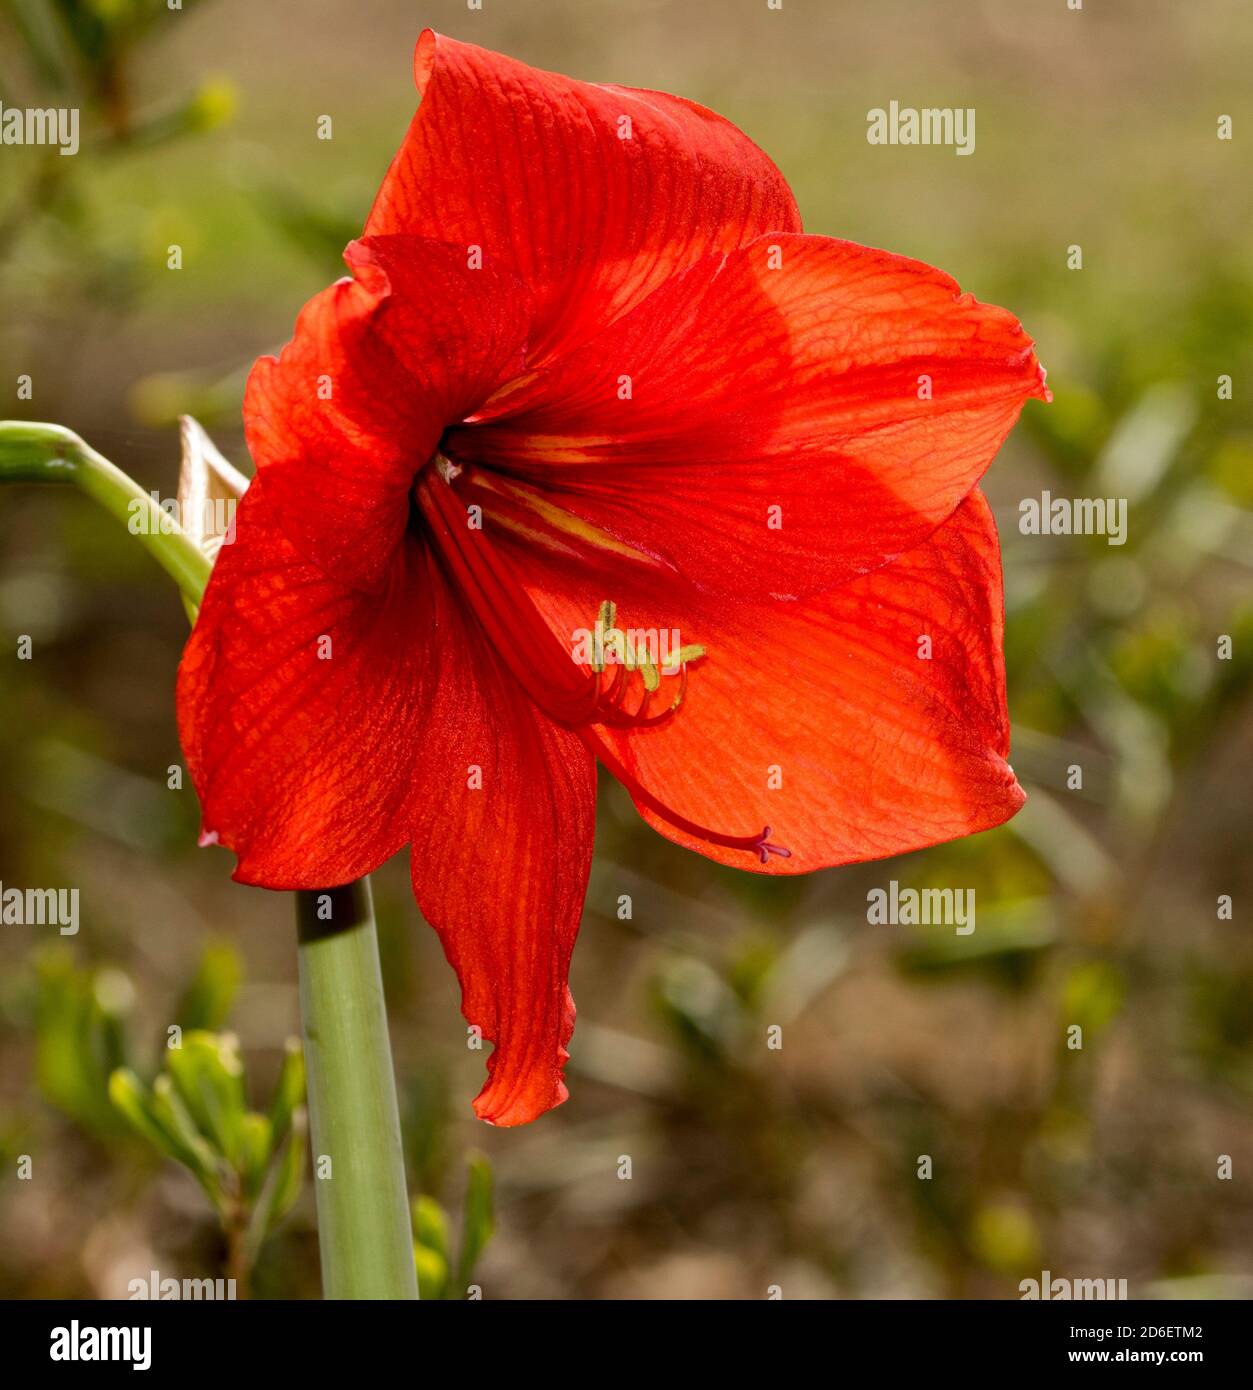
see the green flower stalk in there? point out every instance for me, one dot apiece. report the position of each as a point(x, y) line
point(359, 1170)
point(38, 453)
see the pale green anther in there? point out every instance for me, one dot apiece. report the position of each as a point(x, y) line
point(605, 619)
point(612, 639)
point(631, 658)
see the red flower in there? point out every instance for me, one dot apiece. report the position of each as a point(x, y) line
point(588, 359)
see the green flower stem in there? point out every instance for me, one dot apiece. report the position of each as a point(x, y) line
point(363, 1206)
point(363, 1209)
point(37, 453)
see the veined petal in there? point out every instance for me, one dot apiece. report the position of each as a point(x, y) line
point(301, 705)
point(773, 421)
point(326, 728)
point(503, 832)
point(342, 421)
point(594, 195)
point(830, 721)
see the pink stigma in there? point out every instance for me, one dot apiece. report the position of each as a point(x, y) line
point(764, 848)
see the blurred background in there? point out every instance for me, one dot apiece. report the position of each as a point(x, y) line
point(1097, 906)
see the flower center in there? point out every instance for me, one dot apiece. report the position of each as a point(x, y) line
point(574, 688)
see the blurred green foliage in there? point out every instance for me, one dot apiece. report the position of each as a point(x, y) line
point(440, 1275)
point(250, 1164)
point(80, 1037)
point(83, 53)
point(194, 1111)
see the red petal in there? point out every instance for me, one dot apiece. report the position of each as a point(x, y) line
point(754, 389)
point(532, 167)
point(879, 752)
point(501, 871)
point(317, 762)
point(343, 420)
point(301, 703)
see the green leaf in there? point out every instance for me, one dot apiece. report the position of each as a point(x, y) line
point(257, 1140)
point(282, 1186)
point(170, 1133)
point(478, 1219)
point(289, 1093)
point(192, 1149)
point(132, 1100)
point(80, 1038)
point(209, 1078)
point(291, 1171)
point(432, 1271)
point(430, 1225)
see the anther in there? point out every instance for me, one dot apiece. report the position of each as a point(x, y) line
point(608, 705)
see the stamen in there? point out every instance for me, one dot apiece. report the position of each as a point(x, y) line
point(608, 706)
point(577, 697)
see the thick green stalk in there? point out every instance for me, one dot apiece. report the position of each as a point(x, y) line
point(363, 1209)
point(37, 453)
point(359, 1170)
